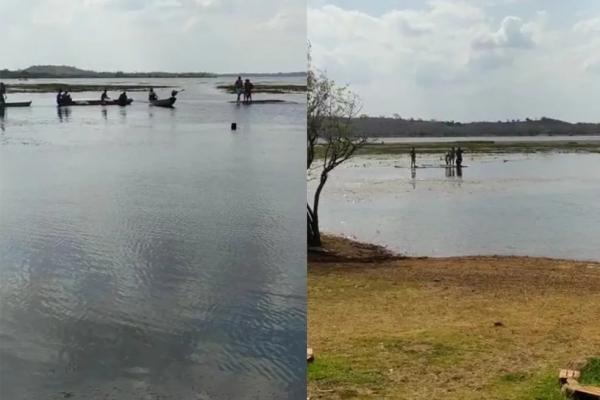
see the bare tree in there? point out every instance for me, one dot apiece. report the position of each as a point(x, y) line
point(330, 138)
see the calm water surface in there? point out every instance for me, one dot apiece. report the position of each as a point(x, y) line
point(513, 204)
point(153, 253)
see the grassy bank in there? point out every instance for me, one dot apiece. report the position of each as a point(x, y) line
point(268, 88)
point(480, 147)
point(386, 327)
point(71, 87)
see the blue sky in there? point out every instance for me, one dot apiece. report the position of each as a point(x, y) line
point(142, 35)
point(463, 59)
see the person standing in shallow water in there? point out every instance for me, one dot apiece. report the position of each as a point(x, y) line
point(59, 97)
point(239, 88)
point(2, 92)
point(459, 154)
point(413, 158)
point(248, 86)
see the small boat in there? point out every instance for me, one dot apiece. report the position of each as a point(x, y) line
point(95, 103)
point(16, 104)
point(164, 102)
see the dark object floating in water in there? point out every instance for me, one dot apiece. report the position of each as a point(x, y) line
point(95, 103)
point(16, 104)
point(233, 126)
point(164, 102)
point(273, 101)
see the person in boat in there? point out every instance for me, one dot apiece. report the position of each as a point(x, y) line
point(104, 97)
point(59, 97)
point(66, 98)
point(459, 158)
point(248, 86)
point(2, 92)
point(123, 98)
point(239, 88)
point(173, 94)
point(152, 95)
point(413, 158)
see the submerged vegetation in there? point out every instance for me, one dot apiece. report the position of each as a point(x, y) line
point(74, 87)
point(477, 147)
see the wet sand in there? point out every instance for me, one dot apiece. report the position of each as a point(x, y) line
point(493, 327)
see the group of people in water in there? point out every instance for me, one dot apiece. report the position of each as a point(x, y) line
point(453, 158)
point(243, 87)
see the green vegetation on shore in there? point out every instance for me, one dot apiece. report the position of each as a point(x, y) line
point(590, 374)
point(478, 147)
point(399, 127)
point(73, 87)
point(65, 71)
point(268, 88)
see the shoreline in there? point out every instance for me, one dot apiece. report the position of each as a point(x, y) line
point(578, 144)
point(383, 325)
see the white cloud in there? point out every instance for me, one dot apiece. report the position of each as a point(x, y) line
point(512, 33)
point(493, 59)
point(591, 25)
point(141, 35)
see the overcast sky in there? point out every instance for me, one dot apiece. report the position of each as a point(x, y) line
point(143, 35)
point(463, 59)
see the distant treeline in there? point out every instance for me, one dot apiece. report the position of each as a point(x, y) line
point(398, 127)
point(65, 71)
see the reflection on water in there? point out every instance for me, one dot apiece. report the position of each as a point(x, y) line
point(539, 205)
point(153, 257)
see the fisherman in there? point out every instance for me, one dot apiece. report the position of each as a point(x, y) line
point(248, 86)
point(459, 159)
point(452, 155)
point(239, 88)
point(152, 95)
point(413, 158)
point(2, 92)
point(104, 97)
point(59, 98)
point(123, 98)
point(66, 99)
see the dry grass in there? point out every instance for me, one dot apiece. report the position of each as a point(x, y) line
point(386, 327)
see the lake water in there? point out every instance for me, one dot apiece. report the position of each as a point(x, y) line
point(512, 204)
point(153, 253)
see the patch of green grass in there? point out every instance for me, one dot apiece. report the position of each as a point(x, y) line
point(514, 377)
point(590, 374)
point(546, 388)
point(330, 371)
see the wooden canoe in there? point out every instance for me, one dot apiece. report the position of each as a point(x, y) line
point(95, 103)
point(16, 104)
point(164, 102)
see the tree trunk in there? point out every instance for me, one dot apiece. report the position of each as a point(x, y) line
point(314, 234)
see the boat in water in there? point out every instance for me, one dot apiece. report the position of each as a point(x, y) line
point(96, 103)
point(16, 104)
point(164, 102)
